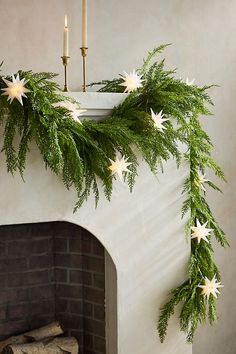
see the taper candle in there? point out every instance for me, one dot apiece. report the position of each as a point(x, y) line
point(84, 23)
point(66, 39)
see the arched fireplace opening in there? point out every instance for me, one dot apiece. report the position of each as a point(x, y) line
point(58, 271)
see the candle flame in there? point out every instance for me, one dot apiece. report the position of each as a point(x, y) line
point(66, 22)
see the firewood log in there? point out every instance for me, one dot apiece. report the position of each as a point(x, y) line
point(52, 330)
point(62, 345)
point(13, 340)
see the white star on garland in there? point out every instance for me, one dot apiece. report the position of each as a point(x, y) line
point(210, 287)
point(200, 232)
point(189, 82)
point(201, 179)
point(132, 81)
point(119, 166)
point(75, 112)
point(15, 89)
point(158, 120)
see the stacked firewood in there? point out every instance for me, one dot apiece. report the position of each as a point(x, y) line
point(43, 340)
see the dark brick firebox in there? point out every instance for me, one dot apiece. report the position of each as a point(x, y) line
point(53, 271)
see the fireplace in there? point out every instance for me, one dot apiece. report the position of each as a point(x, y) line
point(142, 233)
point(53, 271)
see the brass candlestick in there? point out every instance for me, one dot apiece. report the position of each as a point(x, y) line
point(84, 51)
point(65, 61)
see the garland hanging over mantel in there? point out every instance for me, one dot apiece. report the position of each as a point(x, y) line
point(160, 112)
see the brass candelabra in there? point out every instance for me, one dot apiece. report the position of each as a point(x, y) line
point(65, 61)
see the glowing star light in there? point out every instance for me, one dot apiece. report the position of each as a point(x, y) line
point(189, 82)
point(75, 112)
point(15, 89)
point(200, 232)
point(210, 287)
point(132, 81)
point(201, 179)
point(158, 120)
point(119, 166)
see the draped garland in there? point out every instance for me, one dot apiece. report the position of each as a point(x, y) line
point(161, 112)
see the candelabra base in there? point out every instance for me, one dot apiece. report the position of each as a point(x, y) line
point(65, 62)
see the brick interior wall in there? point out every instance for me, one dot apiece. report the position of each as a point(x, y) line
point(53, 271)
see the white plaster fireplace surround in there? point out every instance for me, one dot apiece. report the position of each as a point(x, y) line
point(142, 232)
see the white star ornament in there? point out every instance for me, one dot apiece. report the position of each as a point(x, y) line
point(200, 232)
point(15, 89)
point(132, 81)
point(75, 112)
point(189, 82)
point(119, 166)
point(158, 120)
point(210, 287)
point(201, 179)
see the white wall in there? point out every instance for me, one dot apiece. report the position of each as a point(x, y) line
point(120, 34)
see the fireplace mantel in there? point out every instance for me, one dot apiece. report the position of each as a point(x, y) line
point(97, 104)
point(143, 233)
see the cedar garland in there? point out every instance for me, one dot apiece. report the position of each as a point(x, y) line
point(80, 154)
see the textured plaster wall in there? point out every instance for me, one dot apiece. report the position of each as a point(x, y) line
point(120, 33)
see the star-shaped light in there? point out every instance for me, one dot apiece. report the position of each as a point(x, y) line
point(119, 166)
point(210, 287)
point(200, 232)
point(189, 82)
point(132, 81)
point(158, 120)
point(201, 179)
point(75, 111)
point(15, 89)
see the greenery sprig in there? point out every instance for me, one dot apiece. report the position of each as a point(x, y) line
point(81, 155)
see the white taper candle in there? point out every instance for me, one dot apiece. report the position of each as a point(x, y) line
point(84, 23)
point(66, 39)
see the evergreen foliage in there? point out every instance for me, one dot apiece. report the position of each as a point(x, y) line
point(80, 154)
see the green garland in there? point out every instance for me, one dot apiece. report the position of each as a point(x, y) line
point(81, 154)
